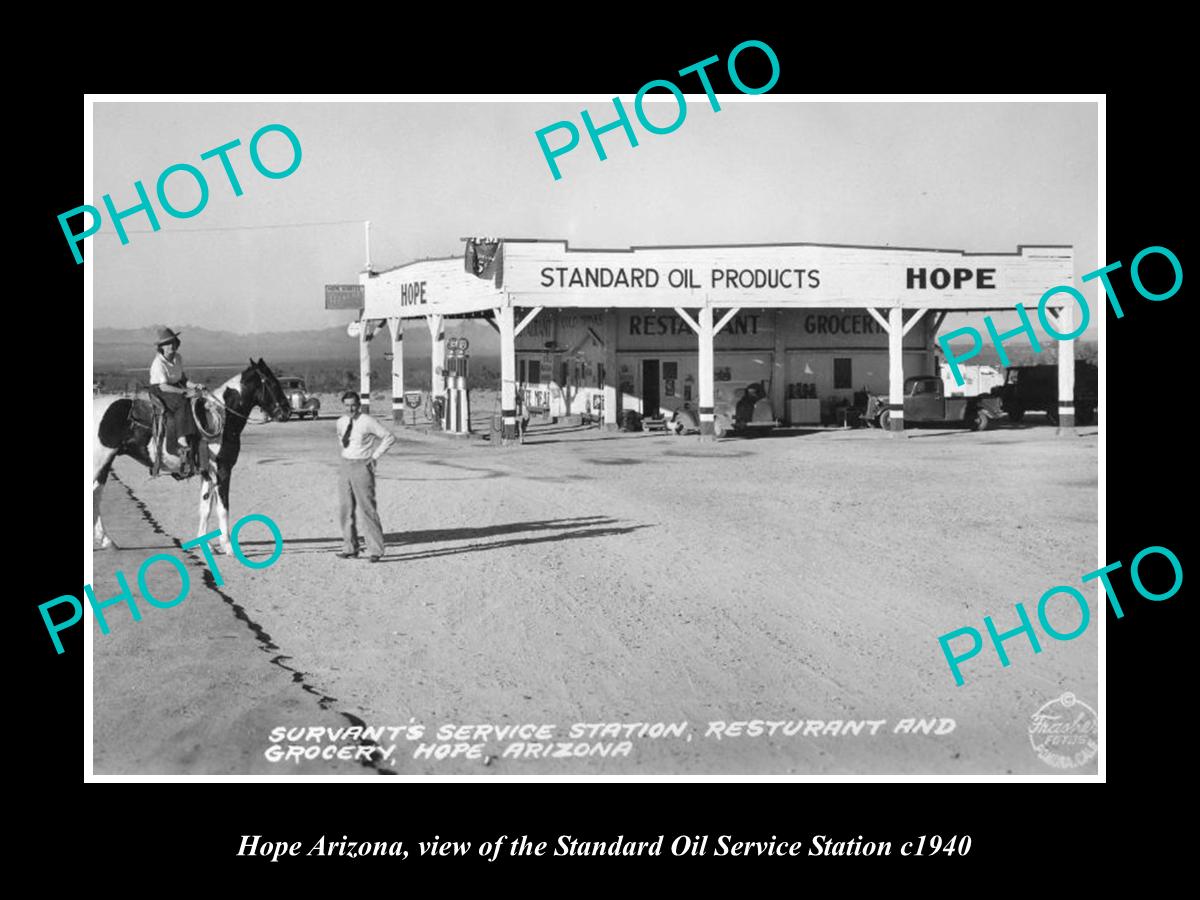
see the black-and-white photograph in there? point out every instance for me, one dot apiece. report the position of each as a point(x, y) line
point(677, 435)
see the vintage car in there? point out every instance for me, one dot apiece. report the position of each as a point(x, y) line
point(739, 408)
point(297, 394)
point(925, 401)
point(1035, 389)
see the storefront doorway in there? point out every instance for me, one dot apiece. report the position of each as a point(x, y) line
point(651, 395)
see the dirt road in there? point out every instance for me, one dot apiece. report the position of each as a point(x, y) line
point(590, 578)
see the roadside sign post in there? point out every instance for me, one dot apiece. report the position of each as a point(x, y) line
point(345, 296)
point(412, 399)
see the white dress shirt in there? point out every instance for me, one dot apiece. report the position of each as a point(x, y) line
point(368, 439)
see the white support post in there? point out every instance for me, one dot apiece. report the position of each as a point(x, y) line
point(611, 375)
point(1066, 372)
point(529, 317)
point(705, 336)
point(933, 352)
point(896, 368)
point(396, 328)
point(880, 319)
point(916, 317)
point(437, 354)
point(937, 323)
point(364, 368)
point(508, 372)
point(683, 314)
point(778, 389)
point(729, 314)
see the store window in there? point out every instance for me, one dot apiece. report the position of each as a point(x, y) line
point(521, 371)
point(842, 379)
point(535, 372)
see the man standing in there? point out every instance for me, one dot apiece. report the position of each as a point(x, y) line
point(363, 441)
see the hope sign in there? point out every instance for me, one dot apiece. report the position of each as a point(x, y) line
point(622, 120)
point(940, 278)
point(145, 206)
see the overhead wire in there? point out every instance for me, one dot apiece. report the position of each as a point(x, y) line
point(236, 227)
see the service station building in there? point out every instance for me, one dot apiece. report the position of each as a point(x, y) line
point(655, 328)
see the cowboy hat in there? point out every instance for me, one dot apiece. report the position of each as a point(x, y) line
point(166, 336)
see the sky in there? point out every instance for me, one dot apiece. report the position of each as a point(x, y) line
point(981, 177)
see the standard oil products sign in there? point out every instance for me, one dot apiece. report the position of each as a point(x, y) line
point(777, 275)
point(688, 279)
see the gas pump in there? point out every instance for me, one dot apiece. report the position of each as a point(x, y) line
point(456, 416)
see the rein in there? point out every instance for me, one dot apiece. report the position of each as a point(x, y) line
point(213, 398)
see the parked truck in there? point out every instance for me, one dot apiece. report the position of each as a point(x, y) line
point(926, 402)
point(1035, 389)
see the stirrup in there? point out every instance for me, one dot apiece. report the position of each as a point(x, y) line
point(187, 467)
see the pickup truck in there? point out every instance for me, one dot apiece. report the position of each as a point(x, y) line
point(925, 401)
point(1035, 389)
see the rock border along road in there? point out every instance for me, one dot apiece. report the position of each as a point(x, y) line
point(604, 578)
point(207, 692)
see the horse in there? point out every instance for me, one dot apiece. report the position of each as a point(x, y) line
point(126, 430)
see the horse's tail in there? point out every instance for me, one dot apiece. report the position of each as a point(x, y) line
point(115, 423)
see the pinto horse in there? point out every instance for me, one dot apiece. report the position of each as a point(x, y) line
point(125, 430)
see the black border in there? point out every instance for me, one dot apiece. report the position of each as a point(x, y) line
point(1148, 358)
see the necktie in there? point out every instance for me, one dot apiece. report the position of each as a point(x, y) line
point(346, 436)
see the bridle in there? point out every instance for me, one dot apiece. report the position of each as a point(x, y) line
point(213, 398)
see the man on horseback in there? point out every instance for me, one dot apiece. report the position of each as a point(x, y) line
point(169, 383)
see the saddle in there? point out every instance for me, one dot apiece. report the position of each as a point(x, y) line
point(161, 422)
point(209, 417)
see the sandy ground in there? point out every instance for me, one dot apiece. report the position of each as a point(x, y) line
point(589, 578)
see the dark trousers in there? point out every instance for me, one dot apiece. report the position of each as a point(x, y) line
point(178, 410)
point(356, 491)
